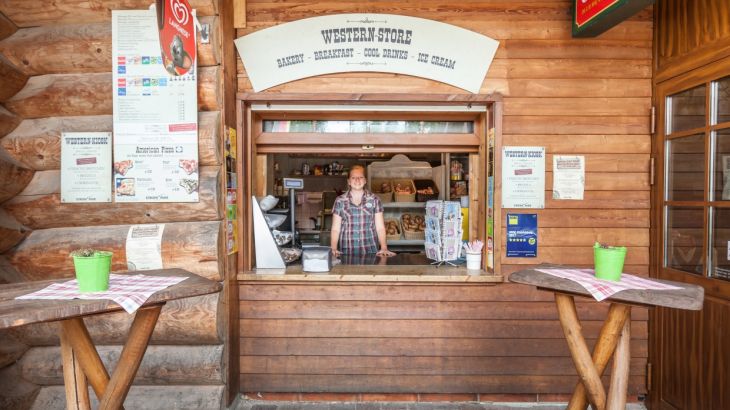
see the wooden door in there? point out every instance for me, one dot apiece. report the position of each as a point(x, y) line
point(690, 351)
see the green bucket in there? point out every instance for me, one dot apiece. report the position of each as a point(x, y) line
point(92, 272)
point(609, 262)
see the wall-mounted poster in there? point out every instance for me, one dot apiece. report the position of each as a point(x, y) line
point(155, 116)
point(144, 247)
point(86, 167)
point(523, 177)
point(726, 177)
point(569, 176)
point(521, 235)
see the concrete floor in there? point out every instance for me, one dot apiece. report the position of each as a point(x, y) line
point(248, 404)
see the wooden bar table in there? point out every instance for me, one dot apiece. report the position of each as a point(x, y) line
point(614, 336)
point(81, 361)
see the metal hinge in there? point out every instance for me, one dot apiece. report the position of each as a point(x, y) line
point(653, 120)
point(648, 377)
point(651, 171)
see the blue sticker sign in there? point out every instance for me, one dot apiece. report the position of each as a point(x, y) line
point(521, 235)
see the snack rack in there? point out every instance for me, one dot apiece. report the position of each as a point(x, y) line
point(443, 231)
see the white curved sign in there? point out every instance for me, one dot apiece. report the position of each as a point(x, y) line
point(366, 42)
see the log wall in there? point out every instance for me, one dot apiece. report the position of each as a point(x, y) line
point(55, 76)
point(587, 97)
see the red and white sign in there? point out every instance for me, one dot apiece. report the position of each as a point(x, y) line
point(175, 21)
point(586, 10)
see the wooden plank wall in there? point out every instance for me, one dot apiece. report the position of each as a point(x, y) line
point(55, 70)
point(573, 96)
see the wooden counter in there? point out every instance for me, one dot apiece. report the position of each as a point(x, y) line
point(365, 273)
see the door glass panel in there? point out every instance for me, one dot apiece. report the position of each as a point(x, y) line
point(685, 230)
point(723, 100)
point(721, 243)
point(722, 165)
point(687, 109)
point(686, 168)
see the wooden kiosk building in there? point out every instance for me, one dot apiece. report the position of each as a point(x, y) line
point(646, 103)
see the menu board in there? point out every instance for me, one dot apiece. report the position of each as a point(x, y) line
point(155, 117)
point(86, 159)
point(523, 177)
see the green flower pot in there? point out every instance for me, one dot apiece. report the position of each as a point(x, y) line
point(609, 262)
point(92, 272)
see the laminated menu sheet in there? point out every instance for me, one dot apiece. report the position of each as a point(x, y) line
point(443, 230)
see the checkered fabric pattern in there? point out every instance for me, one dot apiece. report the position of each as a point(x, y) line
point(602, 289)
point(357, 234)
point(128, 291)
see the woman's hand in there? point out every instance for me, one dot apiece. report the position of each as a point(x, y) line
point(336, 253)
point(385, 252)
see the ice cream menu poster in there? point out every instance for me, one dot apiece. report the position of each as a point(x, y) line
point(155, 116)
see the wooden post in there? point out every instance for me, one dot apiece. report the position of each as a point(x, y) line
point(86, 354)
point(77, 391)
point(134, 348)
point(618, 315)
point(620, 371)
point(11, 79)
point(579, 351)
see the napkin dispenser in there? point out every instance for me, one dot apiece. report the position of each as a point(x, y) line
point(317, 259)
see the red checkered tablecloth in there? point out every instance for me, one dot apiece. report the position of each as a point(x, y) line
point(601, 289)
point(129, 291)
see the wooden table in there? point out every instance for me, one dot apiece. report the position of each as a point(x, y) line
point(614, 336)
point(81, 362)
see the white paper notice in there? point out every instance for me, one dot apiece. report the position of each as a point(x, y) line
point(569, 176)
point(86, 167)
point(144, 247)
point(155, 117)
point(523, 177)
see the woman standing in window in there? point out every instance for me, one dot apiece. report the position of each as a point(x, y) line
point(357, 219)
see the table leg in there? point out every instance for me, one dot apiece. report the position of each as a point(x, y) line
point(86, 354)
point(579, 351)
point(131, 357)
point(620, 370)
point(74, 380)
point(618, 314)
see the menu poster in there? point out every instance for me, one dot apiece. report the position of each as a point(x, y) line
point(569, 176)
point(523, 177)
point(521, 235)
point(86, 167)
point(144, 247)
point(155, 116)
point(726, 178)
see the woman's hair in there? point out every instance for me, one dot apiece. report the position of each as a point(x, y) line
point(354, 167)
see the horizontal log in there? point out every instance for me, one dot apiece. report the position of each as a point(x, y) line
point(414, 365)
point(575, 255)
point(29, 14)
point(16, 393)
point(587, 236)
point(609, 181)
point(36, 143)
point(14, 179)
point(587, 48)
point(79, 48)
point(583, 144)
point(8, 273)
point(11, 231)
point(10, 349)
point(90, 94)
point(189, 321)
point(576, 124)
point(161, 365)
point(409, 384)
point(45, 210)
point(530, 329)
point(195, 246)
point(416, 310)
point(143, 398)
point(8, 121)
point(7, 27)
point(601, 107)
point(11, 79)
point(602, 200)
point(405, 347)
point(587, 218)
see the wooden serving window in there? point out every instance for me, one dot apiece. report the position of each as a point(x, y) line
point(368, 129)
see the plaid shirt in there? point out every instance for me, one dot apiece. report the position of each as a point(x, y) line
point(358, 234)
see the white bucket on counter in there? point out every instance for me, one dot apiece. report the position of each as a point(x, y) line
point(473, 261)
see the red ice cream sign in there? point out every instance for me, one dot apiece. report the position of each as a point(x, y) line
point(177, 35)
point(586, 10)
